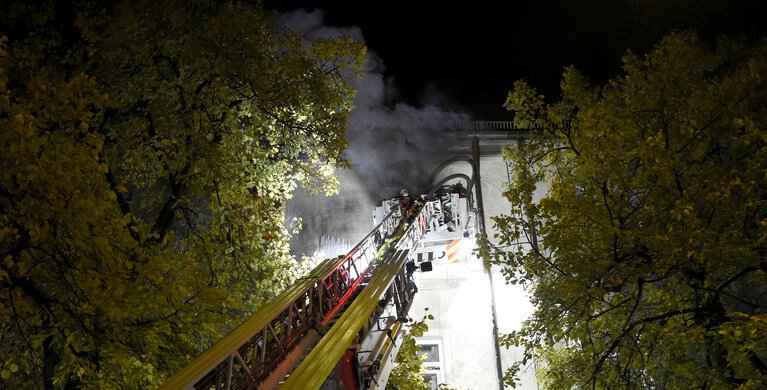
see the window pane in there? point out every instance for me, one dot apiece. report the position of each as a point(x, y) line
point(430, 379)
point(430, 350)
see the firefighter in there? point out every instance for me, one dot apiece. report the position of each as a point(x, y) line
point(404, 200)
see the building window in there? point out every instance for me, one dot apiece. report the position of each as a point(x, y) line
point(434, 374)
point(431, 379)
point(431, 351)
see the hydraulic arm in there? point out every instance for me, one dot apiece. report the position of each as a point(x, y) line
point(338, 325)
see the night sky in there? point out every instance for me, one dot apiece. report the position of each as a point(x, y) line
point(466, 56)
point(442, 63)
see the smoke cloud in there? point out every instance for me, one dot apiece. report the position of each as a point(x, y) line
point(392, 145)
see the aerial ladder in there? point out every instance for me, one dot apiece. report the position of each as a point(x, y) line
point(339, 327)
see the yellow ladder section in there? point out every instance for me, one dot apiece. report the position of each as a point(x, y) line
point(321, 361)
point(223, 349)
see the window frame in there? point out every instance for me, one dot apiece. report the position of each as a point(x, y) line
point(436, 368)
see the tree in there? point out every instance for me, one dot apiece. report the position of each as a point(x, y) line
point(148, 151)
point(646, 256)
point(407, 374)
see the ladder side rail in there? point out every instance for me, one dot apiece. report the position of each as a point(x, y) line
point(399, 289)
point(343, 281)
point(403, 292)
point(251, 340)
point(386, 355)
point(403, 288)
point(418, 227)
point(250, 351)
point(375, 363)
point(322, 359)
point(313, 371)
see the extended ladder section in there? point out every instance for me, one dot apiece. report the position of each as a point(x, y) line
point(253, 350)
point(338, 325)
point(352, 326)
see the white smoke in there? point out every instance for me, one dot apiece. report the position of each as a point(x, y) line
point(391, 146)
point(310, 24)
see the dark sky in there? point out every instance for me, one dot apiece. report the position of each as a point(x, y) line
point(470, 53)
point(463, 59)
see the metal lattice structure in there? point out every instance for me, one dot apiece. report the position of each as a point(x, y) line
point(245, 356)
point(338, 304)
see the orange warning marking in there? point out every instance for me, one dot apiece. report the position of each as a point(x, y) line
point(454, 251)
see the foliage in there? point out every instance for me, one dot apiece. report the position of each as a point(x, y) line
point(407, 373)
point(148, 151)
point(646, 256)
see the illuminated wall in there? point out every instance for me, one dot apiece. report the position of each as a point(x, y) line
point(461, 299)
